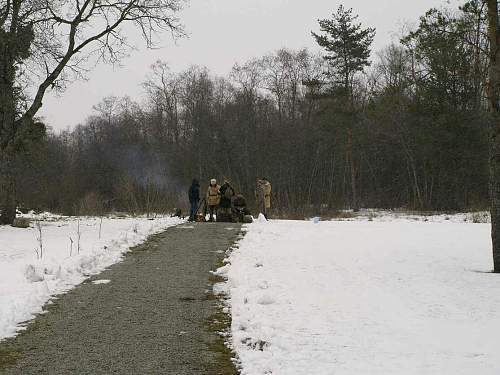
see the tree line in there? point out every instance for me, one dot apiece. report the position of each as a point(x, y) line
point(44, 45)
point(406, 127)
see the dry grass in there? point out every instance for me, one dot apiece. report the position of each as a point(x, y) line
point(8, 357)
point(220, 324)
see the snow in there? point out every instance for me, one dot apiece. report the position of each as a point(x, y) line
point(389, 215)
point(393, 295)
point(101, 282)
point(261, 218)
point(27, 283)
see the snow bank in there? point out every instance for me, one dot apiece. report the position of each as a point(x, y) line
point(27, 282)
point(360, 297)
point(389, 215)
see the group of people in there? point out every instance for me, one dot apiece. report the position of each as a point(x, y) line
point(222, 202)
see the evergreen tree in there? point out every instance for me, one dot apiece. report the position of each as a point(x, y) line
point(347, 47)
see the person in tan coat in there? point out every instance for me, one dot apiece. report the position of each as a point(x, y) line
point(263, 195)
point(213, 198)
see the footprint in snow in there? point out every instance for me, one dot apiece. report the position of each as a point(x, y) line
point(264, 285)
point(266, 300)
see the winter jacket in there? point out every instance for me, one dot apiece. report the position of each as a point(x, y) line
point(194, 192)
point(226, 193)
point(266, 188)
point(264, 193)
point(213, 195)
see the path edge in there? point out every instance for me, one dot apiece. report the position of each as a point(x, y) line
point(220, 322)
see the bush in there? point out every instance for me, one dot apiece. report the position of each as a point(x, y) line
point(21, 222)
point(91, 205)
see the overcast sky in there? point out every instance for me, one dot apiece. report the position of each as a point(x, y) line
point(222, 32)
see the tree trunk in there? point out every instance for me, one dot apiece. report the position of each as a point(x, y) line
point(7, 134)
point(493, 97)
point(495, 194)
point(7, 192)
point(352, 167)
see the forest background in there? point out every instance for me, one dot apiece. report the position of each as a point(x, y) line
point(408, 130)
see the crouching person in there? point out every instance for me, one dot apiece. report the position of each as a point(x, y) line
point(241, 213)
point(213, 198)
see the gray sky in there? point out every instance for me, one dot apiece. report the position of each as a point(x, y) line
point(223, 32)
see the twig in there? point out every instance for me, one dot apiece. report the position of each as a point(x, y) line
point(39, 238)
point(78, 236)
point(70, 246)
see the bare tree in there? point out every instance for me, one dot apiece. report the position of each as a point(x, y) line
point(48, 43)
point(248, 78)
point(162, 88)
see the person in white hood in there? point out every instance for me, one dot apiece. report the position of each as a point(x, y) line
point(213, 198)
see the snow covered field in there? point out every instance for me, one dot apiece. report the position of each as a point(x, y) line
point(384, 297)
point(27, 282)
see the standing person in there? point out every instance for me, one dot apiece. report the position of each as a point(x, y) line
point(194, 198)
point(263, 195)
point(226, 194)
point(213, 198)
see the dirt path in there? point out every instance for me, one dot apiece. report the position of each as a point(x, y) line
point(151, 318)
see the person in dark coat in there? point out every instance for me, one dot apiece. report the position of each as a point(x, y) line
point(226, 194)
point(194, 198)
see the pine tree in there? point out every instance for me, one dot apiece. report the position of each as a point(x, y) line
point(347, 47)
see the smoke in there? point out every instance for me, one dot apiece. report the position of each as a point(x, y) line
point(147, 168)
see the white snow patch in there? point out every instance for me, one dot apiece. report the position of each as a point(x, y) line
point(378, 298)
point(219, 289)
point(480, 217)
point(101, 282)
point(261, 219)
point(222, 271)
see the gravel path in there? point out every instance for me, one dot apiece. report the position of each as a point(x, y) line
point(151, 318)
